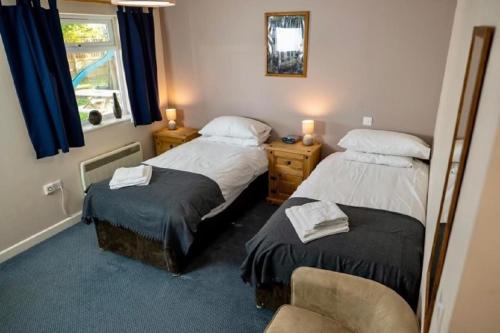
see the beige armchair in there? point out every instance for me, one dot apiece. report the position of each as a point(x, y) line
point(325, 301)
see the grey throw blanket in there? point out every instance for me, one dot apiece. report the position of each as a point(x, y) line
point(169, 209)
point(383, 246)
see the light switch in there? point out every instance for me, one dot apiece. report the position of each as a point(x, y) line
point(367, 121)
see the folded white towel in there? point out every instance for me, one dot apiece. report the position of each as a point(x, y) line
point(137, 176)
point(317, 219)
point(122, 174)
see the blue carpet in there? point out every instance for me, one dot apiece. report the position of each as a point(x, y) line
point(67, 284)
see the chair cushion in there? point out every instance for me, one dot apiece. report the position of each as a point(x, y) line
point(291, 319)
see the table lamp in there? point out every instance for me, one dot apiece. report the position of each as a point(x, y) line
point(308, 130)
point(171, 116)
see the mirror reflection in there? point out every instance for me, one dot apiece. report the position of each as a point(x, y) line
point(476, 67)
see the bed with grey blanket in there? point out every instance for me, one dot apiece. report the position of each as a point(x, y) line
point(169, 209)
point(383, 246)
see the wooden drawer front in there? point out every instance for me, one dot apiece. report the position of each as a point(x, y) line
point(283, 185)
point(289, 164)
point(286, 170)
point(288, 184)
point(286, 188)
point(162, 145)
point(283, 177)
point(168, 140)
point(287, 156)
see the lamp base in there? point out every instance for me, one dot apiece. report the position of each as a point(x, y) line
point(172, 125)
point(308, 140)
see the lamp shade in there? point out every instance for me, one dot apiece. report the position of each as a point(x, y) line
point(144, 3)
point(171, 114)
point(308, 126)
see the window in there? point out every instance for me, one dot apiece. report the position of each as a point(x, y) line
point(95, 64)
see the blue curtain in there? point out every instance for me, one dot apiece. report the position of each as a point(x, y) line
point(34, 45)
point(137, 38)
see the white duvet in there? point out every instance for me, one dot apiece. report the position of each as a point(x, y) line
point(232, 167)
point(400, 190)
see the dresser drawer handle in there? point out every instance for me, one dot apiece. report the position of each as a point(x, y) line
point(273, 178)
point(288, 162)
point(171, 146)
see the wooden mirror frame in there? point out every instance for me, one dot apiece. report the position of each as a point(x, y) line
point(306, 15)
point(486, 33)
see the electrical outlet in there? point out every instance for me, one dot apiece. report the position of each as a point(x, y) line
point(52, 187)
point(367, 121)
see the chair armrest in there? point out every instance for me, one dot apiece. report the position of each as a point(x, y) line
point(357, 303)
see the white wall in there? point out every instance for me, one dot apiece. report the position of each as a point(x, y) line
point(468, 14)
point(476, 306)
point(381, 58)
point(24, 210)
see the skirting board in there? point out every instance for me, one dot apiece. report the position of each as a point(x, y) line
point(39, 237)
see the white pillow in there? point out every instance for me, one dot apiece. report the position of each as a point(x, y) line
point(236, 127)
point(237, 141)
point(389, 160)
point(385, 142)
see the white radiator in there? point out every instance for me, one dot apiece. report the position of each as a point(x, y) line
point(103, 166)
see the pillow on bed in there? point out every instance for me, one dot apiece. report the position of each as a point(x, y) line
point(389, 160)
point(385, 142)
point(236, 127)
point(237, 141)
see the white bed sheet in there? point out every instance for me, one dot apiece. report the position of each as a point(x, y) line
point(232, 167)
point(400, 190)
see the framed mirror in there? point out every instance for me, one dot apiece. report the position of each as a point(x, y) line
point(287, 44)
point(464, 127)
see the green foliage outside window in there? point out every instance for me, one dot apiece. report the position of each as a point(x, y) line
point(77, 33)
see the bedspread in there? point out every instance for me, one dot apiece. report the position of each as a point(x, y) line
point(383, 246)
point(169, 209)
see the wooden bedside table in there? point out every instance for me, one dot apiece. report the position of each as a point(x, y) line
point(166, 139)
point(289, 165)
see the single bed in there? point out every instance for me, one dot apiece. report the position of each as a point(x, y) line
point(386, 210)
point(191, 186)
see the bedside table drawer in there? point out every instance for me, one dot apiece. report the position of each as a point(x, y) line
point(166, 139)
point(287, 170)
point(290, 162)
point(283, 184)
point(167, 144)
point(285, 178)
point(287, 188)
point(286, 157)
point(289, 165)
point(162, 145)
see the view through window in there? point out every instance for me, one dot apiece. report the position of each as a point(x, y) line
point(94, 63)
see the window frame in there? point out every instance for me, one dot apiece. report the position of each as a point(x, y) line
point(113, 44)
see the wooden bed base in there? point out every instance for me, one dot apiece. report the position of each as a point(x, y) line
point(130, 244)
point(272, 296)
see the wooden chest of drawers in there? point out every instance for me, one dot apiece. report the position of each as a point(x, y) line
point(166, 139)
point(289, 165)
